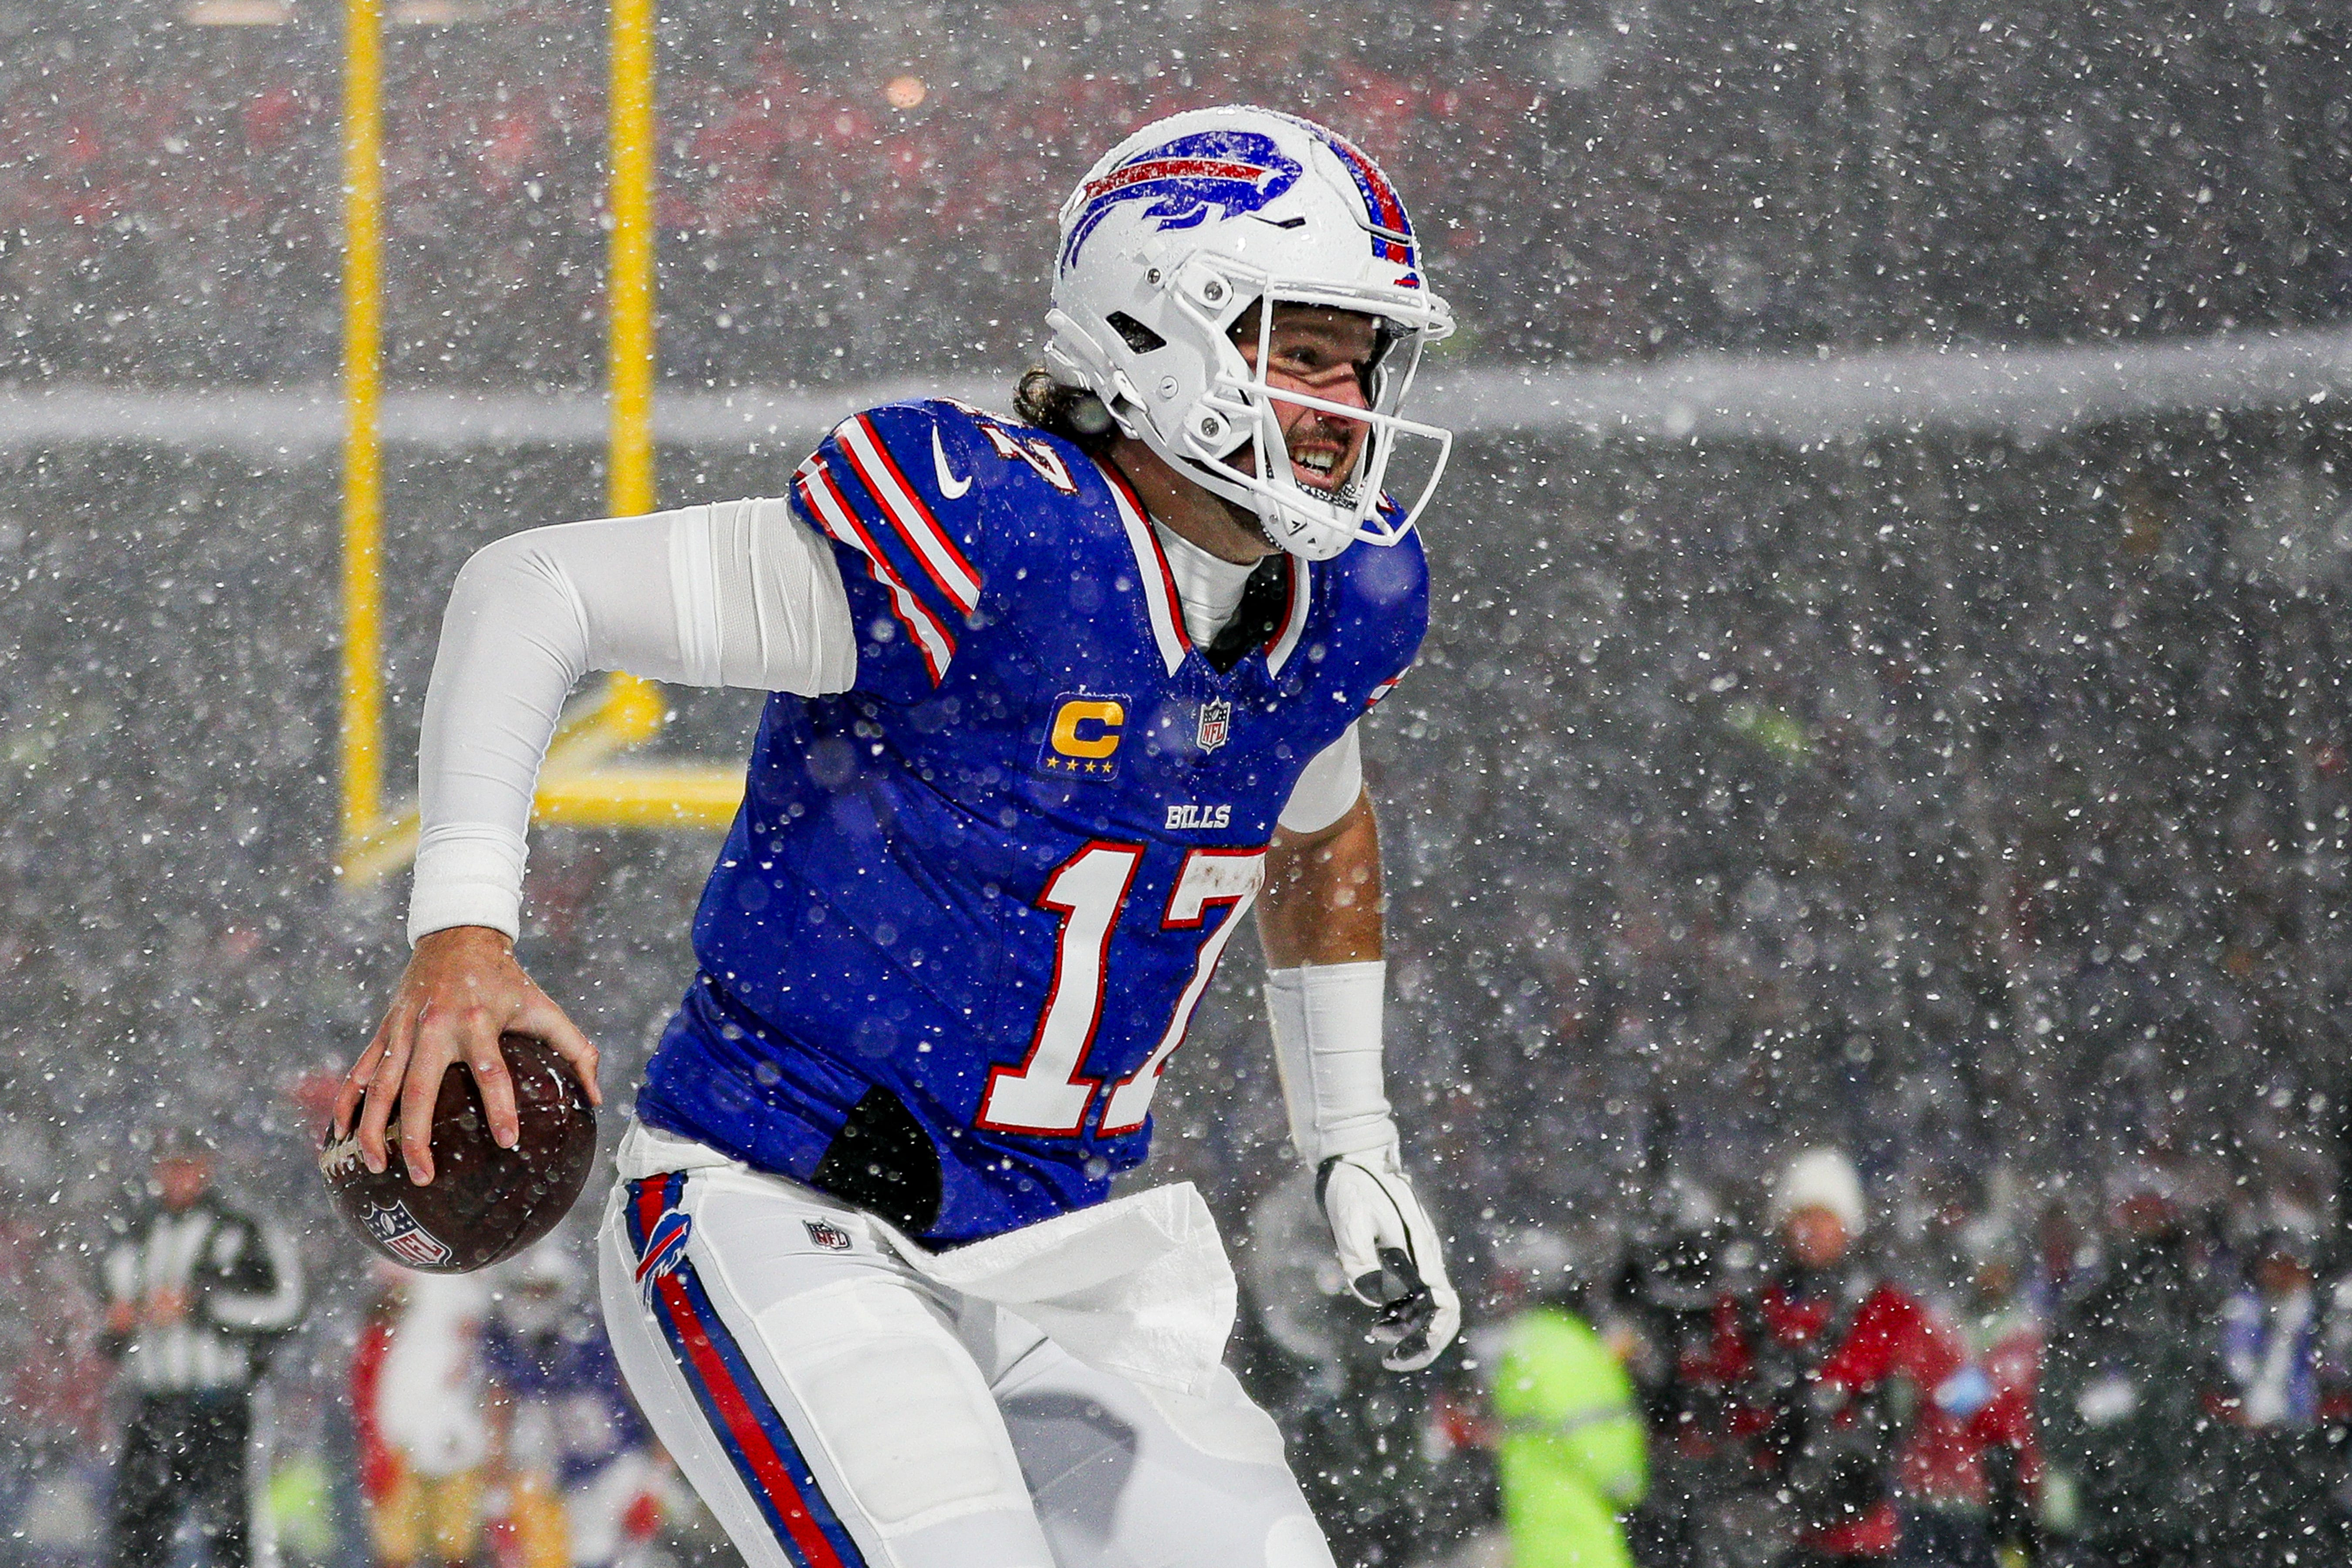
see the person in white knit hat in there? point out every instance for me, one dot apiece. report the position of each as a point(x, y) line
point(1817, 1208)
point(1856, 1394)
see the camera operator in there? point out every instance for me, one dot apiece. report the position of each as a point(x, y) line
point(1680, 1266)
point(2135, 1471)
point(1834, 1377)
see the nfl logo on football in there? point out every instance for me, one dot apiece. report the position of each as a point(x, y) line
point(1216, 723)
point(400, 1234)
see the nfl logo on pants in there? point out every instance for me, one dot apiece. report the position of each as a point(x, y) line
point(1216, 723)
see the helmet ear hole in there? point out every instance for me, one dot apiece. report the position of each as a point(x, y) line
point(1140, 339)
point(1089, 415)
point(1387, 339)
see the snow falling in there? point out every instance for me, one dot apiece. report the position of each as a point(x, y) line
point(1885, 689)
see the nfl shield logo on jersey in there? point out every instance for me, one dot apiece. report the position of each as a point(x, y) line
point(828, 1235)
point(1216, 723)
point(404, 1237)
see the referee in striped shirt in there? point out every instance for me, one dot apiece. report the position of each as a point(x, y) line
point(196, 1292)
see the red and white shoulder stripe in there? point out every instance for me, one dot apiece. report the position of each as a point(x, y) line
point(813, 482)
point(899, 502)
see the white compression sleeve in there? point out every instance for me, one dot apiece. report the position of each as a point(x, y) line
point(734, 594)
point(1326, 1043)
point(1328, 788)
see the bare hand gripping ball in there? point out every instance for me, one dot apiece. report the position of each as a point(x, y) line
point(485, 1203)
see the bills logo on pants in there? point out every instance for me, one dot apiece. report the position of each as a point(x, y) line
point(662, 1252)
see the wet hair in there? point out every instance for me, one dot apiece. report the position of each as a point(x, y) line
point(1073, 413)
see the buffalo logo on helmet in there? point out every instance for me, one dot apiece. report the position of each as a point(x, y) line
point(405, 1239)
point(1235, 172)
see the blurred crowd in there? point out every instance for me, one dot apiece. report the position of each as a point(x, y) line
point(178, 1384)
point(855, 190)
point(2155, 1375)
point(1814, 1371)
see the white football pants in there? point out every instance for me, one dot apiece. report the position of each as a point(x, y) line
point(835, 1409)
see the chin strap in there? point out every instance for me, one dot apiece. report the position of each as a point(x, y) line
point(1327, 1034)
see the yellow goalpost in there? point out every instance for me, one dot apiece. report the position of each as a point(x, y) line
point(579, 783)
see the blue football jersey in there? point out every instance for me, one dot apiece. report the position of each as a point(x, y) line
point(569, 1372)
point(994, 877)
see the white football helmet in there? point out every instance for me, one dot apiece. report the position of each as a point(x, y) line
point(1188, 223)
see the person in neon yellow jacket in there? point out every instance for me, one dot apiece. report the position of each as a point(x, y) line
point(1570, 1451)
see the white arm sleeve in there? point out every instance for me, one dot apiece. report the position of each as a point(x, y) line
point(1327, 791)
point(733, 594)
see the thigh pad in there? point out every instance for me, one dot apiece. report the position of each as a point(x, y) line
point(894, 1400)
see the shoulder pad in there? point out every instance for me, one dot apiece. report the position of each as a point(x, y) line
point(916, 451)
point(1388, 576)
point(1008, 452)
point(885, 484)
point(944, 453)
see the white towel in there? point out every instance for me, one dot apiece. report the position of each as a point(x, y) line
point(1139, 1287)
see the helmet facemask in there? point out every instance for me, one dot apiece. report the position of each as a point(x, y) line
point(1241, 411)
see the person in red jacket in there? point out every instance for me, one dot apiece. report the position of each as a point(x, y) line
point(1842, 1385)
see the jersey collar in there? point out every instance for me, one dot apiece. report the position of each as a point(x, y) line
point(1160, 604)
point(1167, 616)
point(1285, 641)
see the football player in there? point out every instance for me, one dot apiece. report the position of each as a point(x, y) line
point(1057, 699)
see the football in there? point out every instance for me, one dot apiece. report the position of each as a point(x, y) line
point(484, 1203)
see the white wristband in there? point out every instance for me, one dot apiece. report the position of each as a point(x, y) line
point(1326, 1043)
